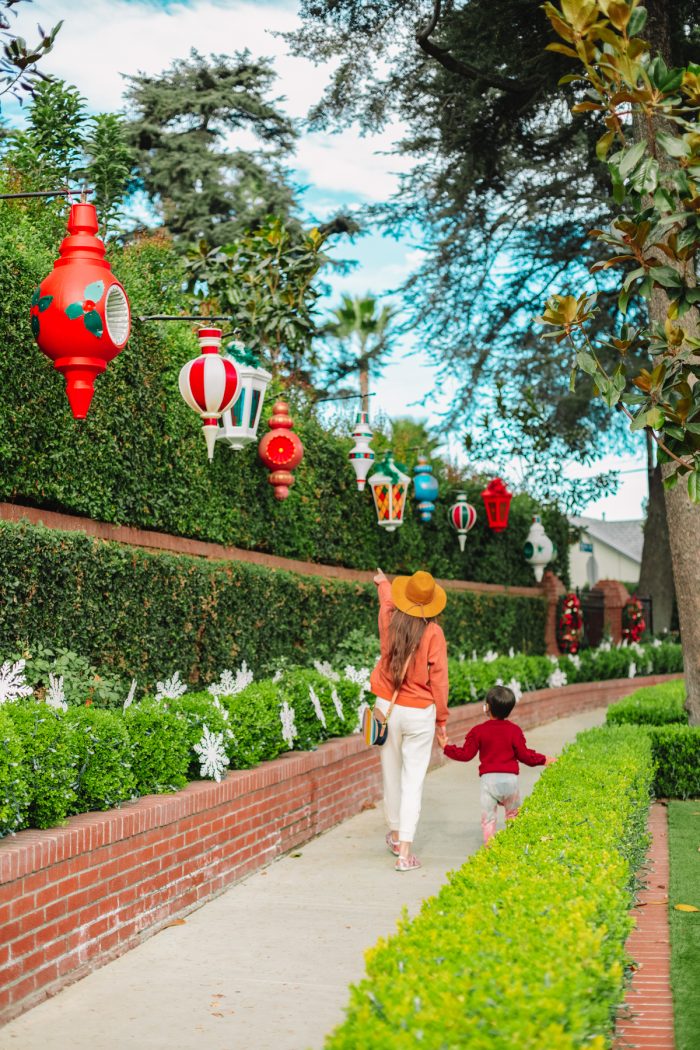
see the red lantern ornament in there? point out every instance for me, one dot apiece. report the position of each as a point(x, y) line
point(281, 450)
point(209, 384)
point(497, 499)
point(80, 313)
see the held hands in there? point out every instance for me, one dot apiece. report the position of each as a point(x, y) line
point(550, 760)
point(441, 736)
point(380, 577)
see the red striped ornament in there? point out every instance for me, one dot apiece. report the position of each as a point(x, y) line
point(209, 384)
point(462, 517)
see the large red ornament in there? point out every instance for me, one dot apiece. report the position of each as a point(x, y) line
point(281, 450)
point(209, 384)
point(497, 499)
point(80, 313)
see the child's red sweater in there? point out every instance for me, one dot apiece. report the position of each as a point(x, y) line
point(500, 744)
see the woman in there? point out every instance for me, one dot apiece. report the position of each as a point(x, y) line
point(413, 664)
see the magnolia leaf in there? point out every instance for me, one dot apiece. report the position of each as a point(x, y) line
point(685, 907)
point(603, 144)
point(74, 310)
point(631, 158)
point(694, 491)
point(586, 362)
point(666, 276)
point(638, 19)
point(93, 323)
point(672, 144)
point(94, 291)
point(563, 50)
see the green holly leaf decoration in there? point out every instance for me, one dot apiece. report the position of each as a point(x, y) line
point(44, 302)
point(74, 310)
point(93, 323)
point(35, 296)
point(94, 291)
point(35, 325)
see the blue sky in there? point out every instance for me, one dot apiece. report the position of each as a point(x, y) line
point(102, 39)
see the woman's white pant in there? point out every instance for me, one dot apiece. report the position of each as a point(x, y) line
point(405, 760)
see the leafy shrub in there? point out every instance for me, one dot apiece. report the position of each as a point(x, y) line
point(676, 751)
point(104, 774)
point(81, 681)
point(14, 788)
point(255, 723)
point(655, 705)
point(525, 945)
point(296, 688)
point(160, 753)
point(50, 761)
point(359, 647)
point(199, 710)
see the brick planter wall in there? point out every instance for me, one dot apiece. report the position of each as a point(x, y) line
point(73, 897)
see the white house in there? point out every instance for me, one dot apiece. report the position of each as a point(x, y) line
point(606, 550)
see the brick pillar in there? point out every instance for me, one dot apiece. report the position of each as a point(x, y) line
point(615, 594)
point(552, 588)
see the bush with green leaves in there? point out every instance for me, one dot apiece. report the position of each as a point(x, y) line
point(82, 683)
point(50, 760)
point(676, 751)
point(200, 710)
point(654, 705)
point(14, 785)
point(525, 944)
point(104, 777)
point(159, 745)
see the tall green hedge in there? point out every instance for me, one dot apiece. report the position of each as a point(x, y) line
point(139, 457)
point(134, 612)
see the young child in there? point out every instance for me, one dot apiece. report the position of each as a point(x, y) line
point(500, 745)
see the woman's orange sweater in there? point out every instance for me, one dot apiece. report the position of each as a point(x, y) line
point(426, 680)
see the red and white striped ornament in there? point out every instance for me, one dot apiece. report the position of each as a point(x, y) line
point(209, 384)
point(462, 517)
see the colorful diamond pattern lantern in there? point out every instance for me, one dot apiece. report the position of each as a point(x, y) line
point(361, 455)
point(80, 313)
point(497, 499)
point(389, 487)
point(240, 422)
point(539, 549)
point(209, 384)
point(281, 450)
point(425, 488)
point(461, 517)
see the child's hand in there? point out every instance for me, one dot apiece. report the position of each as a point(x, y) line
point(380, 577)
point(549, 760)
point(441, 735)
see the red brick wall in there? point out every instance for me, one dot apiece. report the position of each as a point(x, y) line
point(71, 898)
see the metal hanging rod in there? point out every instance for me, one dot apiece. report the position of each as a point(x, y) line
point(343, 397)
point(182, 317)
point(45, 193)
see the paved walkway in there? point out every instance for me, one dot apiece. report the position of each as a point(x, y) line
point(266, 966)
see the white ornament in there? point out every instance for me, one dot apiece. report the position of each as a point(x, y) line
point(511, 652)
point(12, 683)
point(240, 422)
point(222, 710)
point(656, 642)
point(171, 688)
point(361, 455)
point(364, 706)
point(575, 660)
point(212, 754)
point(130, 695)
point(604, 647)
point(289, 730)
point(317, 706)
point(231, 684)
point(55, 697)
point(277, 677)
point(557, 679)
point(539, 549)
point(337, 704)
point(489, 656)
point(515, 687)
point(324, 668)
point(631, 673)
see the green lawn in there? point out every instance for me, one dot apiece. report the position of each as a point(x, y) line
point(684, 843)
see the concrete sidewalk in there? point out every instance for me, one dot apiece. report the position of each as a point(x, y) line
point(266, 966)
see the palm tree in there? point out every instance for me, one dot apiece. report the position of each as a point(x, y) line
point(362, 333)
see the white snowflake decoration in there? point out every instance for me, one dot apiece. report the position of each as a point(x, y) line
point(472, 691)
point(317, 706)
point(364, 706)
point(657, 642)
point(632, 669)
point(171, 688)
point(277, 677)
point(557, 679)
point(515, 687)
point(511, 652)
point(358, 675)
point(12, 683)
point(223, 710)
point(575, 660)
point(474, 656)
point(212, 754)
point(230, 684)
point(130, 695)
point(637, 648)
point(55, 697)
point(324, 668)
point(489, 656)
point(337, 704)
point(289, 730)
point(604, 647)
point(552, 659)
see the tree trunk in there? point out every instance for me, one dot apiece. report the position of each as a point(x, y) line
point(364, 388)
point(656, 572)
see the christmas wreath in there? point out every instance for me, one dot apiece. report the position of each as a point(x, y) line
point(570, 625)
point(633, 622)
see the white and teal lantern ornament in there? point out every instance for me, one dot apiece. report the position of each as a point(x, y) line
point(462, 518)
point(361, 456)
point(539, 549)
point(389, 487)
point(240, 422)
point(425, 488)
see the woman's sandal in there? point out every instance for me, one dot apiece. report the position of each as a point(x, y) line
point(392, 844)
point(407, 863)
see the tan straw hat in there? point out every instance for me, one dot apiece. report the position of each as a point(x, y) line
point(418, 595)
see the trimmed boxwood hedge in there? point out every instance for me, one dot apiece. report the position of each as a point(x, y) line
point(148, 614)
point(655, 705)
point(525, 945)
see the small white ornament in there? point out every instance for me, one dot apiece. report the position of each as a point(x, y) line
point(230, 683)
point(277, 677)
point(557, 679)
point(364, 706)
point(324, 668)
point(55, 697)
point(12, 682)
point(130, 695)
point(223, 710)
point(489, 656)
point(337, 704)
point(576, 660)
point(361, 455)
point(317, 706)
point(289, 730)
point(631, 673)
point(171, 688)
point(212, 754)
point(515, 687)
point(538, 549)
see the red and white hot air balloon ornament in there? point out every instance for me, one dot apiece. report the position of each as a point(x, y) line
point(462, 517)
point(209, 384)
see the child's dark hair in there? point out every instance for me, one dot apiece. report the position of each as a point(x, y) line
point(500, 701)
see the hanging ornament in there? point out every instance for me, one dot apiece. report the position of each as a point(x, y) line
point(240, 422)
point(281, 450)
point(361, 456)
point(462, 517)
point(497, 499)
point(209, 384)
point(80, 313)
point(570, 627)
point(389, 489)
point(425, 488)
point(539, 549)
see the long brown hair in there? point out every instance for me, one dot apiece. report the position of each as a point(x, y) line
point(405, 633)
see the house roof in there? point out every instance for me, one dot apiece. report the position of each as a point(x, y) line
point(627, 537)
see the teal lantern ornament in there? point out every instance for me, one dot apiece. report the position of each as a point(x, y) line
point(240, 422)
point(425, 487)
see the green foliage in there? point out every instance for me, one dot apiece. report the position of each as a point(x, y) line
point(359, 648)
point(14, 783)
point(18, 60)
point(685, 926)
point(50, 759)
point(104, 774)
point(676, 750)
point(295, 687)
point(108, 167)
point(561, 877)
point(656, 705)
point(82, 683)
point(255, 723)
point(362, 334)
point(159, 742)
point(199, 710)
